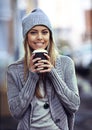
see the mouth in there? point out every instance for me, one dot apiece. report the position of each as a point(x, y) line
point(39, 43)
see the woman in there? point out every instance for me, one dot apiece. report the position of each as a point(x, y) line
point(42, 94)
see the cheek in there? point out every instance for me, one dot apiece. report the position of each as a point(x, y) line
point(30, 42)
point(30, 39)
point(47, 38)
point(47, 41)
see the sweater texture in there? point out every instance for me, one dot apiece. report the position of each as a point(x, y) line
point(62, 92)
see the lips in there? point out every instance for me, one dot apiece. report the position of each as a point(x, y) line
point(39, 43)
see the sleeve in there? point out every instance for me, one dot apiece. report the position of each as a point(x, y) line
point(67, 89)
point(19, 99)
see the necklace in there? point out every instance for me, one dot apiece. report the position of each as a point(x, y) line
point(46, 106)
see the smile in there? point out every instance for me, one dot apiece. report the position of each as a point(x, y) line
point(39, 43)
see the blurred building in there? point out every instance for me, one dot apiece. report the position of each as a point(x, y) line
point(11, 40)
point(72, 23)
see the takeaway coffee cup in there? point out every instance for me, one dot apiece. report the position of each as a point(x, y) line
point(39, 53)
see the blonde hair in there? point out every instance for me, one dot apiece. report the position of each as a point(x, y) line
point(52, 52)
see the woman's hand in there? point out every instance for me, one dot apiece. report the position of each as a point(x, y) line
point(33, 63)
point(40, 66)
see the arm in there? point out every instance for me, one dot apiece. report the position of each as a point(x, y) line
point(19, 100)
point(67, 90)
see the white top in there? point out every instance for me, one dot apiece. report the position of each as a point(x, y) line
point(41, 117)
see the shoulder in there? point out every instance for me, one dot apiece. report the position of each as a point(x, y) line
point(17, 64)
point(65, 62)
point(65, 59)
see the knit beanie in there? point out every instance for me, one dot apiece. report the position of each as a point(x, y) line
point(36, 17)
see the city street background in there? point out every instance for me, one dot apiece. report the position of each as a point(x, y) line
point(72, 24)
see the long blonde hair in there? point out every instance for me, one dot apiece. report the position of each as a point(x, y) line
point(52, 52)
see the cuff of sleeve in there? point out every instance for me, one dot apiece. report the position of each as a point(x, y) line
point(33, 74)
point(52, 72)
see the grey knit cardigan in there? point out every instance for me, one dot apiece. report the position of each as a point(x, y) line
point(62, 91)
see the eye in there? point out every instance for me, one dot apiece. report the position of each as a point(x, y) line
point(44, 32)
point(33, 32)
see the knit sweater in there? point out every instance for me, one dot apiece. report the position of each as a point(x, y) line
point(61, 87)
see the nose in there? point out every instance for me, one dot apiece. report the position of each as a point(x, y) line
point(40, 36)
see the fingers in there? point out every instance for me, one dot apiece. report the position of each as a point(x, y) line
point(45, 65)
point(33, 63)
point(47, 56)
point(35, 60)
point(40, 66)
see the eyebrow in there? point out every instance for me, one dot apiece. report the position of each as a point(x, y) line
point(41, 30)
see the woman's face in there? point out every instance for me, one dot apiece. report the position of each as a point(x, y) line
point(38, 37)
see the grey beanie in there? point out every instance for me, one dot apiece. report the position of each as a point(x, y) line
point(36, 17)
